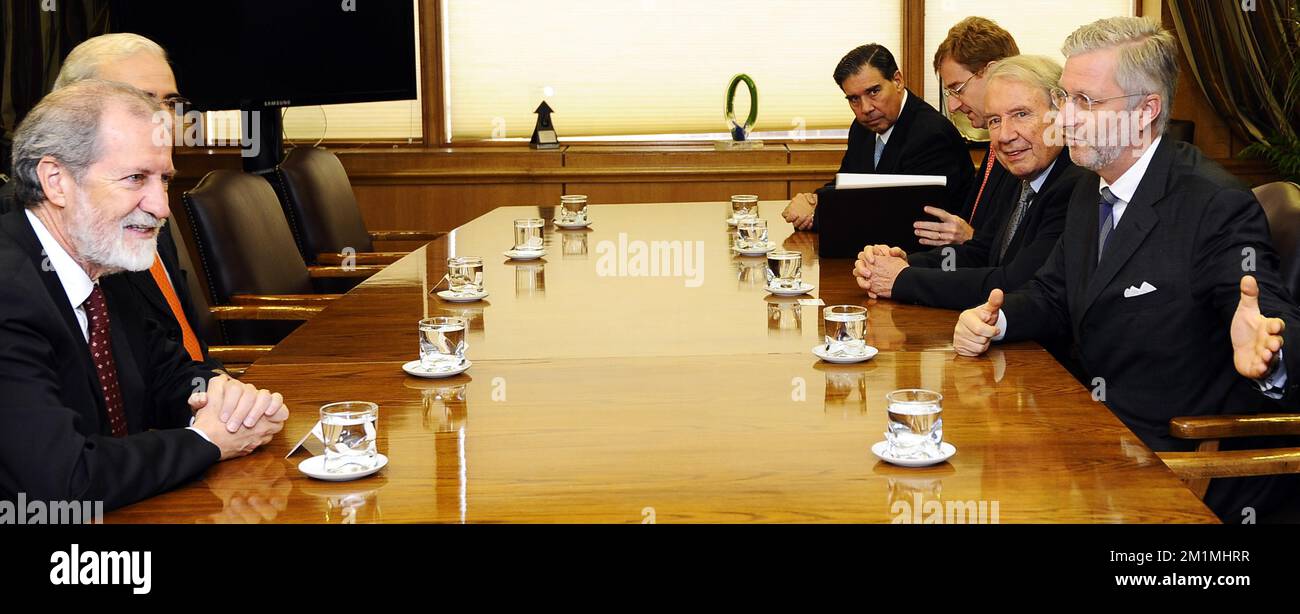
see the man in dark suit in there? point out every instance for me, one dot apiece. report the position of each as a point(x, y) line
point(138, 61)
point(1146, 275)
point(96, 403)
point(894, 131)
point(962, 62)
point(1007, 252)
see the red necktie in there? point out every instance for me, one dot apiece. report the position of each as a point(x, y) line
point(101, 353)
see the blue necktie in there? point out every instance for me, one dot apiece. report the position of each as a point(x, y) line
point(1105, 213)
point(880, 148)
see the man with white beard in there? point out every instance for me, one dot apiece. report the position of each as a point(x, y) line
point(97, 403)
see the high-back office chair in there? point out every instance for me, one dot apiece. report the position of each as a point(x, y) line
point(248, 255)
point(323, 214)
point(207, 319)
point(1281, 203)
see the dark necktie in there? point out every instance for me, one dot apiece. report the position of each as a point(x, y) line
point(880, 149)
point(1105, 213)
point(1026, 197)
point(101, 353)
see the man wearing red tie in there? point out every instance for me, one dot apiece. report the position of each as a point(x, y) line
point(96, 402)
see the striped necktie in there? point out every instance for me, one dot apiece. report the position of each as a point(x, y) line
point(1105, 213)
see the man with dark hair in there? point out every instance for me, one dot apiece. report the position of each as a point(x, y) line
point(894, 132)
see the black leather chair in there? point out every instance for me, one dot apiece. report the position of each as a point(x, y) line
point(249, 259)
point(323, 214)
point(1181, 130)
point(1281, 203)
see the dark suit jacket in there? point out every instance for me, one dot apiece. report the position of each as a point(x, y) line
point(923, 142)
point(142, 283)
point(978, 269)
point(1165, 353)
point(54, 438)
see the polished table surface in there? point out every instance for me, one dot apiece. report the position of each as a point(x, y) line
point(605, 388)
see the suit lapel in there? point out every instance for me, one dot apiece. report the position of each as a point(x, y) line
point(1139, 218)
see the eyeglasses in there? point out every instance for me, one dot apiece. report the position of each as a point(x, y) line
point(956, 92)
point(1060, 97)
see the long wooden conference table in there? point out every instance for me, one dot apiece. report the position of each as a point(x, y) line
point(607, 389)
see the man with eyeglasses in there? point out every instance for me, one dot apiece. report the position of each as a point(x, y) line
point(137, 61)
point(894, 131)
point(1018, 113)
point(1148, 273)
point(962, 63)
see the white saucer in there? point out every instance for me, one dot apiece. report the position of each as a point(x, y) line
point(732, 221)
point(804, 288)
point(881, 450)
point(461, 297)
point(414, 368)
point(754, 251)
point(515, 254)
point(820, 352)
point(572, 225)
point(315, 467)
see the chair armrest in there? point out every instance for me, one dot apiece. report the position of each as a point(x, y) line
point(404, 235)
point(1232, 463)
point(361, 270)
point(283, 299)
point(265, 312)
point(333, 259)
point(239, 353)
point(1221, 427)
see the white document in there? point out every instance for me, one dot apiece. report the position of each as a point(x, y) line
point(853, 181)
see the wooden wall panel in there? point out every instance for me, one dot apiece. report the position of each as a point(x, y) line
point(443, 207)
point(669, 192)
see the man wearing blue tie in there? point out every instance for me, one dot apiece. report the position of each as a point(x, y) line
point(1149, 270)
point(894, 132)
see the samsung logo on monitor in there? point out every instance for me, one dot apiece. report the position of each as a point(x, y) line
point(277, 103)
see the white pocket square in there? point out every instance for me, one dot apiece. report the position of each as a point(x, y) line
point(1146, 288)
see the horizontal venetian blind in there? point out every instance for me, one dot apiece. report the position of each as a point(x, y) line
point(636, 67)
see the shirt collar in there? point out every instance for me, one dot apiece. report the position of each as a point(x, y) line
point(1126, 186)
point(884, 136)
point(76, 283)
point(1036, 184)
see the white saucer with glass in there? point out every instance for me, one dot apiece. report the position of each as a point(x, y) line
point(528, 240)
point(846, 334)
point(743, 206)
point(442, 348)
point(465, 280)
point(785, 273)
point(572, 212)
point(914, 432)
point(349, 430)
point(751, 237)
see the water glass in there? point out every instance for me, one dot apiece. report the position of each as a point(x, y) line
point(465, 274)
point(846, 330)
point(744, 206)
point(784, 269)
point(573, 209)
point(528, 234)
point(915, 427)
point(349, 429)
point(442, 342)
point(751, 233)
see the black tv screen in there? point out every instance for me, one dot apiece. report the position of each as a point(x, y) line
point(230, 54)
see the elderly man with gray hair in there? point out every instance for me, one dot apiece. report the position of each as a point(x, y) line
point(96, 403)
point(1145, 278)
